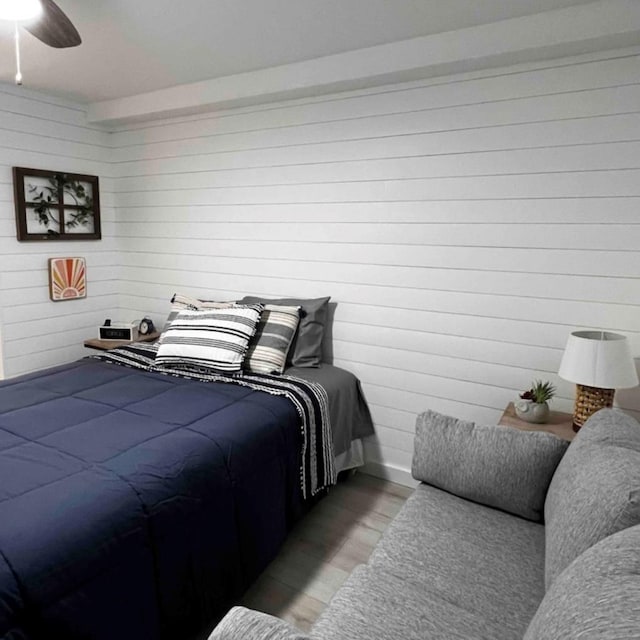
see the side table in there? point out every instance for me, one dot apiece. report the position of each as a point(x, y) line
point(105, 345)
point(560, 423)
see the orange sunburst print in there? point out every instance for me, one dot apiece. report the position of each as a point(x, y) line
point(67, 278)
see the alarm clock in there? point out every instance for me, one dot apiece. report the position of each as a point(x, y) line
point(123, 331)
point(146, 327)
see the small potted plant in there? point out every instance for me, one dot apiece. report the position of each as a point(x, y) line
point(533, 404)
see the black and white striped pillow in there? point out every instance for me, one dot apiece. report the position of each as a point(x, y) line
point(270, 345)
point(180, 302)
point(208, 339)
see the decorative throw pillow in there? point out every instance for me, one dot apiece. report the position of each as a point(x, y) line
point(267, 352)
point(180, 302)
point(493, 465)
point(306, 350)
point(212, 339)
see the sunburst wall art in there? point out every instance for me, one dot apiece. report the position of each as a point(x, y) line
point(67, 278)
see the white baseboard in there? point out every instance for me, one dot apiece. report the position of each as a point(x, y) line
point(389, 472)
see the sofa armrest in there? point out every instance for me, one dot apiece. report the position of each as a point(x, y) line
point(245, 624)
point(498, 466)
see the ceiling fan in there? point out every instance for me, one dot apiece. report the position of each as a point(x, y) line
point(43, 19)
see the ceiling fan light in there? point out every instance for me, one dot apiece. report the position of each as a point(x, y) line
point(18, 10)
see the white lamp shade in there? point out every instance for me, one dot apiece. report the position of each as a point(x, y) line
point(19, 9)
point(598, 359)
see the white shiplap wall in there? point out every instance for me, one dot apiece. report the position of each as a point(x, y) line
point(464, 226)
point(41, 132)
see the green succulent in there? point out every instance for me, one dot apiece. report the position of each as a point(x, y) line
point(540, 392)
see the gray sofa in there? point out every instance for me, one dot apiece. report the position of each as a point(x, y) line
point(468, 556)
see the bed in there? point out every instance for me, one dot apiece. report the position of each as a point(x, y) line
point(137, 504)
point(349, 413)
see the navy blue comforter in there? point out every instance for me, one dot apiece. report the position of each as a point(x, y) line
point(136, 505)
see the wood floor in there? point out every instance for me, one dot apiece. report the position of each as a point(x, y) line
point(338, 534)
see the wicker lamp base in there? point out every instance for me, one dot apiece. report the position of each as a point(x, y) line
point(588, 401)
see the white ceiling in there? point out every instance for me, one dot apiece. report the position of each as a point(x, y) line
point(136, 46)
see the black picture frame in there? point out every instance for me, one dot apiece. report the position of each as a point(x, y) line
point(56, 205)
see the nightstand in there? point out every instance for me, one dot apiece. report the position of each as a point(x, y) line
point(105, 345)
point(560, 423)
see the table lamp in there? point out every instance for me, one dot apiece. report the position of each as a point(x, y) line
point(599, 362)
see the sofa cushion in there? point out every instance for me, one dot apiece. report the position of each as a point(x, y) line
point(482, 560)
point(595, 490)
point(597, 597)
point(373, 605)
point(497, 466)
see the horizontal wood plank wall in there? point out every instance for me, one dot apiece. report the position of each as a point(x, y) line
point(463, 225)
point(41, 132)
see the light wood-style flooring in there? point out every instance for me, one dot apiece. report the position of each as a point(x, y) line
point(327, 544)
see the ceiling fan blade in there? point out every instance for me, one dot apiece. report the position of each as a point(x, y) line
point(53, 27)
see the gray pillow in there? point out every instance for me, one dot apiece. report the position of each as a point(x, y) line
point(498, 466)
point(595, 490)
point(597, 597)
point(306, 349)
